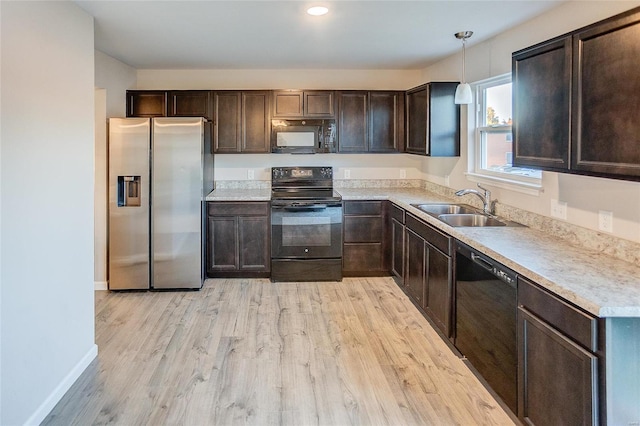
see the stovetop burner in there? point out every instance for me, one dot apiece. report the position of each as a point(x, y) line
point(303, 184)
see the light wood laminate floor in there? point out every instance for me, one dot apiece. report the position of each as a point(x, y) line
point(254, 352)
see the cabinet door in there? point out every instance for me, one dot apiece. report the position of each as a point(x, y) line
point(443, 131)
point(190, 103)
point(227, 128)
point(146, 103)
point(557, 378)
point(417, 120)
point(287, 103)
point(542, 97)
point(222, 244)
point(253, 235)
point(352, 127)
point(397, 249)
point(318, 104)
point(439, 288)
point(255, 122)
point(606, 83)
point(386, 115)
point(415, 266)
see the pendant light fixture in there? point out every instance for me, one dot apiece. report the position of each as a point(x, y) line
point(463, 91)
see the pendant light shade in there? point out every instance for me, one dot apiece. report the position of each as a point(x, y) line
point(463, 91)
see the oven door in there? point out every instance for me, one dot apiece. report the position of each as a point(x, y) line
point(306, 230)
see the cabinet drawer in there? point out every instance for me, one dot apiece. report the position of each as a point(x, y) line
point(362, 257)
point(238, 209)
point(372, 208)
point(362, 229)
point(396, 213)
point(578, 325)
point(436, 238)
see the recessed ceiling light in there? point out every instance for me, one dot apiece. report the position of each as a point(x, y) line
point(317, 10)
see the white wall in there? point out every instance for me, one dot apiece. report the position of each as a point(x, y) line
point(279, 79)
point(584, 196)
point(112, 79)
point(46, 183)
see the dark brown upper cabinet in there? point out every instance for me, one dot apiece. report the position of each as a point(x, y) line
point(241, 122)
point(191, 103)
point(308, 103)
point(576, 101)
point(370, 121)
point(606, 98)
point(541, 105)
point(433, 120)
point(146, 103)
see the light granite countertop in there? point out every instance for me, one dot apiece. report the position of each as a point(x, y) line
point(598, 283)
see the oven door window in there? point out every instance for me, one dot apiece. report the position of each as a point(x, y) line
point(306, 232)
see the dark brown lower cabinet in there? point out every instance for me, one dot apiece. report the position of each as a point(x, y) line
point(397, 236)
point(238, 243)
point(365, 248)
point(560, 366)
point(428, 271)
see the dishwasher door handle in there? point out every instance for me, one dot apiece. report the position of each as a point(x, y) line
point(482, 262)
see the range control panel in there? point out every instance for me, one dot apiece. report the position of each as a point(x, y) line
point(301, 174)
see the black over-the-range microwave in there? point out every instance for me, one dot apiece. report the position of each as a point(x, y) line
point(303, 136)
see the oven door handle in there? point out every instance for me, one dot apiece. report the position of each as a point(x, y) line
point(301, 207)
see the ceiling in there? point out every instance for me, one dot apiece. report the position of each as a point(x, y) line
point(280, 35)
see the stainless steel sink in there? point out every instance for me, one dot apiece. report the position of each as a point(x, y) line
point(439, 209)
point(473, 219)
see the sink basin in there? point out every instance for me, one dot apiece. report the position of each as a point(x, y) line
point(472, 219)
point(440, 209)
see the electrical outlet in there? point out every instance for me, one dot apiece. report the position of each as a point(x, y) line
point(251, 174)
point(347, 174)
point(403, 174)
point(559, 209)
point(446, 180)
point(605, 221)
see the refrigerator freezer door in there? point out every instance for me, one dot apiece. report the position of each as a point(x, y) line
point(177, 149)
point(129, 203)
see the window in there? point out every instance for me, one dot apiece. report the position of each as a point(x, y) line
point(493, 137)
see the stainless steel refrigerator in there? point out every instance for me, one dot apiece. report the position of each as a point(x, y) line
point(160, 170)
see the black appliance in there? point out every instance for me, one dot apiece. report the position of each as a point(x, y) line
point(485, 320)
point(306, 225)
point(303, 136)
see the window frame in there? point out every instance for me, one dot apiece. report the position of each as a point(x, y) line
point(476, 116)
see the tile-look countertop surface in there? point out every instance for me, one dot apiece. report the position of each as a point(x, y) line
point(598, 283)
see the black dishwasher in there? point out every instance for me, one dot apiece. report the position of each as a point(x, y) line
point(485, 320)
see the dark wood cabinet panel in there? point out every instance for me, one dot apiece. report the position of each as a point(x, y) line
point(575, 101)
point(237, 239)
point(365, 247)
point(191, 103)
point(433, 120)
point(414, 279)
point(605, 125)
point(308, 103)
point(397, 242)
point(541, 105)
point(319, 104)
point(352, 125)
point(288, 103)
point(227, 130)
point(255, 122)
point(222, 256)
point(386, 121)
point(557, 378)
point(439, 297)
point(146, 103)
point(241, 122)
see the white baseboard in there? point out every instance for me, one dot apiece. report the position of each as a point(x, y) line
point(100, 285)
point(45, 408)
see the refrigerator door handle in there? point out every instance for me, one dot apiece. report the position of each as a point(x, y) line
point(129, 191)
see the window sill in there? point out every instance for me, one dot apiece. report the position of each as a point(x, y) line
point(512, 185)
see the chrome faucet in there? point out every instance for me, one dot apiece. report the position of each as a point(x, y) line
point(487, 205)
